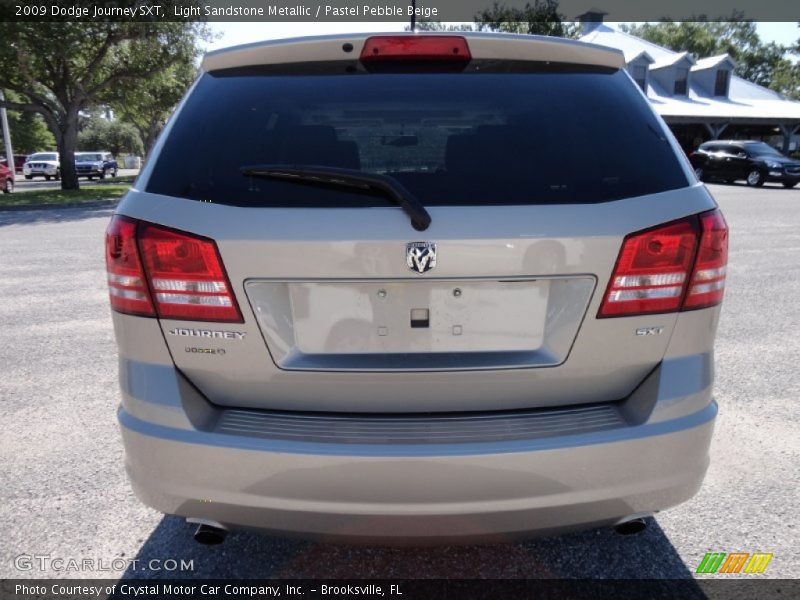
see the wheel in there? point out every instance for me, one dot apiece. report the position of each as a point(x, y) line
point(28, 176)
point(700, 173)
point(755, 178)
point(47, 177)
point(58, 174)
point(89, 177)
point(114, 173)
point(9, 186)
point(102, 174)
point(789, 184)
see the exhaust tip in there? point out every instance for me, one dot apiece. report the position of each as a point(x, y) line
point(631, 526)
point(209, 536)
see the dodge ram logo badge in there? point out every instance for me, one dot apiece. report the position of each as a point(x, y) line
point(421, 256)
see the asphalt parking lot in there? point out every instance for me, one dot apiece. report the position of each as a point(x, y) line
point(65, 494)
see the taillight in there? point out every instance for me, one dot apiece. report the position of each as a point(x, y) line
point(183, 272)
point(655, 267)
point(127, 286)
point(442, 48)
point(708, 279)
point(186, 276)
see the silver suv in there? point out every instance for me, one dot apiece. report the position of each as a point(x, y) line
point(416, 286)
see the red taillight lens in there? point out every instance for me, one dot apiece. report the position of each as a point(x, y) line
point(651, 271)
point(157, 271)
point(655, 267)
point(186, 276)
point(127, 286)
point(707, 285)
point(449, 48)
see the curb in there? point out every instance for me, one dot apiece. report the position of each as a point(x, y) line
point(95, 204)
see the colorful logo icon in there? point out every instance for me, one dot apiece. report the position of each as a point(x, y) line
point(735, 562)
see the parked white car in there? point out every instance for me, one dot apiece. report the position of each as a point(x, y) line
point(42, 164)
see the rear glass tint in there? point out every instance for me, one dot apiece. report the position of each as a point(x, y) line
point(521, 135)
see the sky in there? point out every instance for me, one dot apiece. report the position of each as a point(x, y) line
point(232, 34)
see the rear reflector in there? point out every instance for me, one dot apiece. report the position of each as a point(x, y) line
point(127, 286)
point(655, 267)
point(442, 48)
point(157, 271)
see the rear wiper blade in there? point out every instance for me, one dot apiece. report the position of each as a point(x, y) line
point(349, 178)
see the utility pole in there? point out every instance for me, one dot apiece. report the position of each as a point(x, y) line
point(413, 15)
point(7, 136)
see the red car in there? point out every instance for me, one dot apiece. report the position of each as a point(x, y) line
point(6, 179)
point(19, 160)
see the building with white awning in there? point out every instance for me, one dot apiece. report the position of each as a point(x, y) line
point(700, 99)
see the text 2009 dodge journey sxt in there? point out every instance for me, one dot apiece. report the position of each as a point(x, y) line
point(416, 287)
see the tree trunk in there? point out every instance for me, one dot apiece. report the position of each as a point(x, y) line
point(66, 148)
point(149, 135)
point(149, 140)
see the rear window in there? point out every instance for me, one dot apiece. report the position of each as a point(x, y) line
point(508, 134)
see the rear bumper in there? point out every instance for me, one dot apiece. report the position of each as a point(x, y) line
point(423, 492)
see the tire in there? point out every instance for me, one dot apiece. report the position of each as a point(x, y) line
point(47, 177)
point(755, 178)
point(89, 177)
point(58, 174)
point(114, 173)
point(28, 176)
point(789, 184)
point(102, 174)
point(8, 188)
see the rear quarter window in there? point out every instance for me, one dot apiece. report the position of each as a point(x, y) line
point(494, 134)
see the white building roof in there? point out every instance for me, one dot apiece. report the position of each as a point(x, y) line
point(746, 100)
point(713, 61)
point(668, 61)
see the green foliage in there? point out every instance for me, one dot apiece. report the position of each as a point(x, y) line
point(786, 79)
point(439, 26)
point(61, 69)
point(92, 193)
point(148, 106)
point(114, 136)
point(756, 60)
point(540, 18)
point(29, 132)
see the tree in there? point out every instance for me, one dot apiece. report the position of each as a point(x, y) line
point(756, 61)
point(114, 136)
point(540, 18)
point(150, 104)
point(439, 26)
point(29, 132)
point(786, 79)
point(60, 69)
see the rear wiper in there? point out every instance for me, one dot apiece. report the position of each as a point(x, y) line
point(350, 178)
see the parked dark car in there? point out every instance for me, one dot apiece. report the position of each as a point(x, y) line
point(755, 162)
point(19, 160)
point(95, 164)
point(6, 179)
